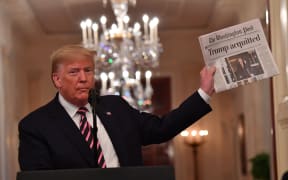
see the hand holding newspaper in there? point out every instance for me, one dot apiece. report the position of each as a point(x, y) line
point(240, 54)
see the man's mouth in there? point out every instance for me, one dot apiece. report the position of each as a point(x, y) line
point(83, 89)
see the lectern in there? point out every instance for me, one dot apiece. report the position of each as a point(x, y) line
point(123, 173)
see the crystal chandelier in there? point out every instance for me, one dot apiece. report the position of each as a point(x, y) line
point(124, 53)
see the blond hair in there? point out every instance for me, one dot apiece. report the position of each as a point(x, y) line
point(69, 52)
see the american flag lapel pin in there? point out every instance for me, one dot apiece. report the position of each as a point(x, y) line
point(108, 113)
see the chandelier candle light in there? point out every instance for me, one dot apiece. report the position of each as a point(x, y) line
point(124, 53)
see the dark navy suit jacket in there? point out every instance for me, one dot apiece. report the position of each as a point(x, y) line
point(49, 139)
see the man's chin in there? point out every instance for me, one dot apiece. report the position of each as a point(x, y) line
point(83, 96)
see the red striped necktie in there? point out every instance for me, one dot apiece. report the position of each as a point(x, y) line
point(86, 131)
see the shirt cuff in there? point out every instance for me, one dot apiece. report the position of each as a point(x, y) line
point(204, 95)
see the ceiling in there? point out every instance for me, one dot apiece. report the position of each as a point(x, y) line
point(56, 17)
point(65, 16)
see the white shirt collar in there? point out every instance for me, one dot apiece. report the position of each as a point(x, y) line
point(71, 108)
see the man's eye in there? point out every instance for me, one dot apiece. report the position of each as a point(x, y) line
point(88, 70)
point(73, 72)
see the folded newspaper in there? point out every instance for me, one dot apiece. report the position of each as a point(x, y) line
point(240, 54)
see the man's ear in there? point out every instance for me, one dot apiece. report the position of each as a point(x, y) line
point(56, 80)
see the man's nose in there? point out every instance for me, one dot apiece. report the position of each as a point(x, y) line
point(82, 76)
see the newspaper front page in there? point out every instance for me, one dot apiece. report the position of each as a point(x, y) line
point(240, 54)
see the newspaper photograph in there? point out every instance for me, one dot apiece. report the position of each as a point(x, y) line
point(240, 54)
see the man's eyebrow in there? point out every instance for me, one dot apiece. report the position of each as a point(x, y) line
point(73, 69)
point(88, 67)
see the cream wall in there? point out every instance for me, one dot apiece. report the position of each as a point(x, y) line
point(182, 61)
point(279, 39)
point(12, 94)
point(41, 88)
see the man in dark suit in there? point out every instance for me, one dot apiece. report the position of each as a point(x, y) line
point(50, 137)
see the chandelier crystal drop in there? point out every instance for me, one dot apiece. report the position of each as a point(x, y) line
point(124, 54)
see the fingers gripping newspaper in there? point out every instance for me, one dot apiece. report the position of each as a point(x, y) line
point(240, 54)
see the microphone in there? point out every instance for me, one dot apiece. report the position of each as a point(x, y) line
point(93, 99)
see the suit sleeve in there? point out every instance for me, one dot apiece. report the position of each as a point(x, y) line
point(33, 152)
point(155, 129)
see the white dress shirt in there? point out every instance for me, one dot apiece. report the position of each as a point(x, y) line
point(109, 153)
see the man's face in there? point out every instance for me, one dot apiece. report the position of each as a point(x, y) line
point(74, 78)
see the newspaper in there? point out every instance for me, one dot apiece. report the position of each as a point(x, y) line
point(240, 54)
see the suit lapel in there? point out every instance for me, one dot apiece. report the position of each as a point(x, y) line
point(71, 131)
point(109, 121)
